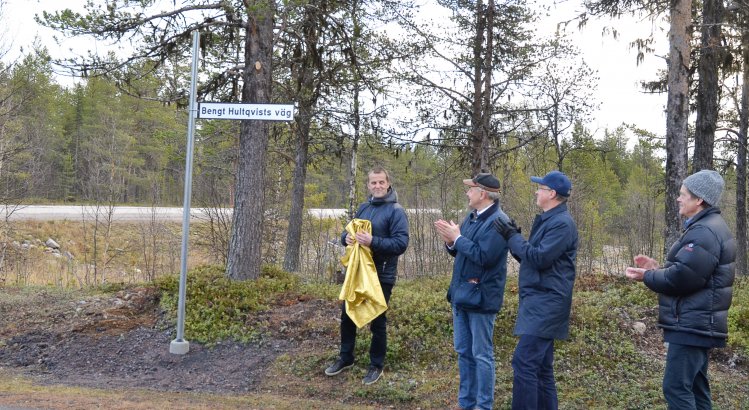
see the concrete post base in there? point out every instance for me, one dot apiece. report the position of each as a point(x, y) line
point(179, 347)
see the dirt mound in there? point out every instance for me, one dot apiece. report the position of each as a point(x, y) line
point(120, 341)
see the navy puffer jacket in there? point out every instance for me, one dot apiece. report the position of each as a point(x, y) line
point(695, 285)
point(389, 233)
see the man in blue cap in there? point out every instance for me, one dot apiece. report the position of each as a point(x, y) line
point(546, 278)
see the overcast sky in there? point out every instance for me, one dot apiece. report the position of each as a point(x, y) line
point(618, 90)
point(621, 100)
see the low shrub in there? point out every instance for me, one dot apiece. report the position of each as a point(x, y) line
point(604, 364)
point(419, 322)
point(738, 315)
point(218, 307)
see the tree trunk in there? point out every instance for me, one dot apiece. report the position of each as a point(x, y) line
point(677, 113)
point(355, 114)
point(476, 143)
point(245, 250)
point(741, 160)
point(486, 111)
point(707, 93)
point(307, 95)
point(296, 213)
point(354, 154)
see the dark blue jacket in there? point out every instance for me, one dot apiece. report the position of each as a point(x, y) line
point(547, 274)
point(695, 285)
point(480, 252)
point(389, 233)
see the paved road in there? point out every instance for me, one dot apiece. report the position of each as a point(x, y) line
point(119, 213)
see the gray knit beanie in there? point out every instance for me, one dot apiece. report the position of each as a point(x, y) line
point(706, 184)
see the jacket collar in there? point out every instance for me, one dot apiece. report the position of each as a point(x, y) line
point(553, 211)
point(490, 210)
point(391, 196)
point(703, 213)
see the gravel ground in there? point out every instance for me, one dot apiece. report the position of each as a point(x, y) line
point(120, 341)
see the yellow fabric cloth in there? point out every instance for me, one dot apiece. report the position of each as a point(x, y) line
point(361, 289)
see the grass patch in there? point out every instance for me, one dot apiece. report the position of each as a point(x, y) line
point(738, 315)
point(218, 307)
point(605, 364)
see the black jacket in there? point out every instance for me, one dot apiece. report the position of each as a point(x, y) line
point(695, 285)
point(389, 233)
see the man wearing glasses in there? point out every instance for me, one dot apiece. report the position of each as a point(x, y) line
point(546, 277)
point(476, 289)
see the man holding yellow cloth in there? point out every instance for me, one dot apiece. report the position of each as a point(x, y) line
point(386, 242)
point(361, 291)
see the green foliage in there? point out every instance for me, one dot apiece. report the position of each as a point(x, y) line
point(738, 315)
point(420, 323)
point(112, 287)
point(218, 308)
point(603, 365)
point(321, 290)
point(602, 353)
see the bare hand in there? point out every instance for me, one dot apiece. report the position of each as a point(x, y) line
point(646, 262)
point(448, 231)
point(364, 238)
point(350, 240)
point(635, 273)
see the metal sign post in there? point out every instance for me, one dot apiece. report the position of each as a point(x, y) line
point(219, 111)
point(180, 345)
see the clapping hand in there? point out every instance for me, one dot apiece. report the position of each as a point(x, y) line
point(448, 231)
point(644, 263)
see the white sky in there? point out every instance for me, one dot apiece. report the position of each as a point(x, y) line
point(618, 93)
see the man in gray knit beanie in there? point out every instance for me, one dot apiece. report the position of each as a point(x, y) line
point(706, 184)
point(695, 288)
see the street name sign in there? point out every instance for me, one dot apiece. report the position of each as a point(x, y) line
point(240, 111)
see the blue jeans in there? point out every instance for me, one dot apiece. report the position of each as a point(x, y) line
point(685, 384)
point(473, 337)
point(378, 327)
point(533, 384)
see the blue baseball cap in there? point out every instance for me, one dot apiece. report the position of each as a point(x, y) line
point(557, 181)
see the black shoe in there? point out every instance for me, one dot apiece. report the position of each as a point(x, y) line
point(373, 374)
point(337, 367)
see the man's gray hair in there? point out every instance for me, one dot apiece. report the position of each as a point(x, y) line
point(494, 196)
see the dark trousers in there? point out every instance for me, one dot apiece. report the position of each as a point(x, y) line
point(685, 384)
point(378, 326)
point(533, 384)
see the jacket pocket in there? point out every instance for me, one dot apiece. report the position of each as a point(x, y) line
point(676, 308)
point(467, 295)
